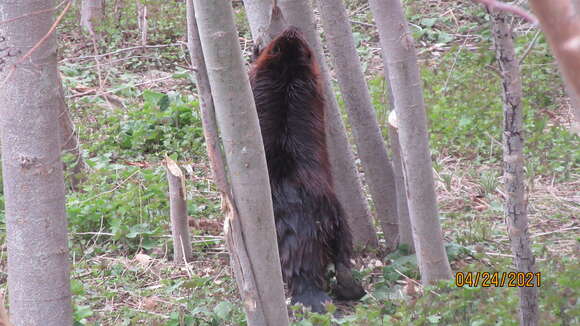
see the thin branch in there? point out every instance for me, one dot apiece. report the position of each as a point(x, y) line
point(37, 45)
point(94, 93)
point(494, 4)
point(34, 13)
point(122, 50)
point(530, 47)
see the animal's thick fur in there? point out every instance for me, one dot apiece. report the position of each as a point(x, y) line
point(310, 222)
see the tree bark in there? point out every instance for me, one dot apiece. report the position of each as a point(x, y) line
point(405, 230)
point(69, 141)
point(513, 140)
point(38, 265)
point(253, 230)
point(118, 11)
point(560, 21)
point(142, 20)
point(347, 183)
point(178, 212)
point(365, 127)
point(240, 261)
point(208, 118)
point(399, 51)
point(92, 15)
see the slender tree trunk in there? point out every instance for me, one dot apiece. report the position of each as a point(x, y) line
point(252, 230)
point(208, 118)
point(241, 263)
point(346, 180)
point(367, 134)
point(405, 230)
point(38, 265)
point(178, 211)
point(118, 10)
point(399, 51)
point(560, 21)
point(143, 21)
point(69, 141)
point(92, 15)
point(516, 202)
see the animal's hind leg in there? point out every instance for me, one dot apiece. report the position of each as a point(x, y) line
point(302, 254)
point(347, 287)
point(308, 293)
point(303, 266)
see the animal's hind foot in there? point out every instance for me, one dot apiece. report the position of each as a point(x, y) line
point(347, 288)
point(313, 298)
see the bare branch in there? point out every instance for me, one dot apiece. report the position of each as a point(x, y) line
point(37, 45)
point(498, 5)
point(32, 14)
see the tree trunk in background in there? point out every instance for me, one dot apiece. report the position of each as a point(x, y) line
point(118, 10)
point(365, 127)
point(178, 211)
point(92, 15)
point(69, 140)
point(346, 180)
point(516, 202)
point(399, 51)
point(143, 22)
point(405, 229)
point(560, 21)
point(38, 265)
point(252, 225)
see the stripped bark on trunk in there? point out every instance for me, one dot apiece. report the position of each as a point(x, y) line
point(251, 233)
point(178, 212)
point(405, 230)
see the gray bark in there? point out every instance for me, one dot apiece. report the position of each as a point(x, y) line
point(365, 127)
point(347, 183)
point(208, 117)
point(253, 232)
point(91, 15)
point(143, 21)
point(118, 11)
point(178, 212)
point(69, 141)
point(240, 261)
point(405, 230)
point(399, 51)
point(38, 265)
point(513, 140)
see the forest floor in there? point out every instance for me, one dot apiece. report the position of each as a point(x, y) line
point(133, 105)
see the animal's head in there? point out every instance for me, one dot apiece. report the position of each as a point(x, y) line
point(288, 48)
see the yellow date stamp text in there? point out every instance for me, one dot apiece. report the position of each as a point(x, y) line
point(498, 279)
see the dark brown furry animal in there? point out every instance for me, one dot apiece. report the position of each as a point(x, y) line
point(310, 222)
